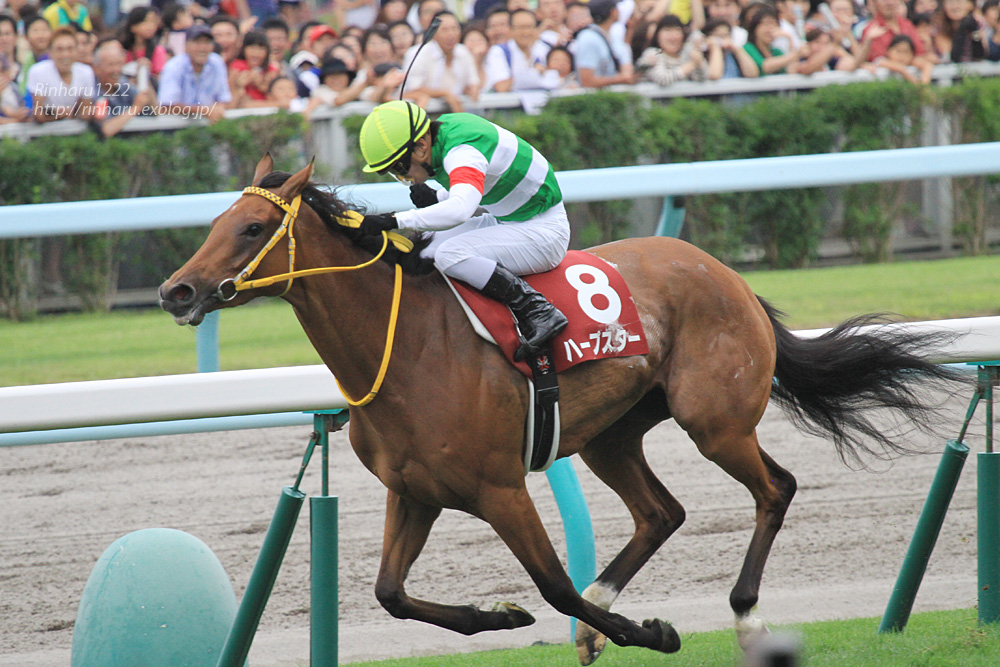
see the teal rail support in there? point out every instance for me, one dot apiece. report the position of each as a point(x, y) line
point(672, 217)
point(323, 619)
point(265, 572)
point(207, 343)
point(577, 525)
point(988, 504)
point(928, 527)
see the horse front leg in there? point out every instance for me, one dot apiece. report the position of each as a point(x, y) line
point(407, 525)
point(513, 516)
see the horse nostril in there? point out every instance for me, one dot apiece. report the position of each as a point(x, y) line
point(180, 294)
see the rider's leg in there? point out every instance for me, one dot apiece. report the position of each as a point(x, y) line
point(491, 257)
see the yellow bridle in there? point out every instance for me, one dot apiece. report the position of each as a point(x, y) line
point(350, 219)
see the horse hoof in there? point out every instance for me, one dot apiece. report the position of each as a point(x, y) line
point(589, 643)
point(749, 630)
point(670, 641)
point(518, 617)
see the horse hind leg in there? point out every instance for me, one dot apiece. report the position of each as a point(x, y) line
point(513, 516)
point(407, 525)
point(772, 488)
point(616, 458)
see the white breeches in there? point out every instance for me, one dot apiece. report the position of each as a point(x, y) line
point(471, 251)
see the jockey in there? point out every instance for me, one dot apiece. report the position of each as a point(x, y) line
point(500, 216)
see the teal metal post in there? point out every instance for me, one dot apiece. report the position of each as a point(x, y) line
point(922, 544)
point(265, 572)
point(323, 618)
point(671, 217)
point(988, 506)
point(324, 592)
point(576, 524)
point(207, 343)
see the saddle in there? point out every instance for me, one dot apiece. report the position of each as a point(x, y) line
point(603, 323)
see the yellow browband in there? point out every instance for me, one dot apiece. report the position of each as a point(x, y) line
point(350, 219)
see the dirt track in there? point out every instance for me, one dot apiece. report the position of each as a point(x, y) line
point(837, 555)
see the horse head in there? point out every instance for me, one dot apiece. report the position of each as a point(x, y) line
point(236, 238)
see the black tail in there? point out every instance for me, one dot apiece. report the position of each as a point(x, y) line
point(829, 384)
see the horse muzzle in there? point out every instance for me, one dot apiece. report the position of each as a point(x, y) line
point(182, 301)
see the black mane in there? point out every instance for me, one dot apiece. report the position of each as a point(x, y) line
point(329, 207)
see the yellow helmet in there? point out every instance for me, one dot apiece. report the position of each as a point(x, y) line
point(389, 133)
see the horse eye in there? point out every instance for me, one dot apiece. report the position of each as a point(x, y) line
point(254, 230)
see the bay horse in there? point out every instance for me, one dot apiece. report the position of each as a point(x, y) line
point(446, 427)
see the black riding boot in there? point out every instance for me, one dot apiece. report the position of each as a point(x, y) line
point(538, 320)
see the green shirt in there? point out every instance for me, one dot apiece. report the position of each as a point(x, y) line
point(518, 182)
point(758, 57)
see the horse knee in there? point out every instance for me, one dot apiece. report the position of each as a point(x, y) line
point(393, 600)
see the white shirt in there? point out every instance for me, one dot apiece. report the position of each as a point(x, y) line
point(431, 70)
point(523, 72)
point(45, 81)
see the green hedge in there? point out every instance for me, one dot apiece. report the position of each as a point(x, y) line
point(85, 167)
point(596, 130)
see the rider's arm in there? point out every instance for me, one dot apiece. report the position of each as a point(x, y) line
point(466, 169)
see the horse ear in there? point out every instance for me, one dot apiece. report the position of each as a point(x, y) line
point(297, 182)
point(264, 167)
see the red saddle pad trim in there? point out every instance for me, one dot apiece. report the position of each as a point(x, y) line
point(603, 319)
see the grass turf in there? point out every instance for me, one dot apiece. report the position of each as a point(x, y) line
point(938, 639)
point(62, 348)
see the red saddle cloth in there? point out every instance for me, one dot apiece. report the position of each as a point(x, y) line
point(603, 320)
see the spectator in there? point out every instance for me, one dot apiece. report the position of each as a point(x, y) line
point(726, 59)
point(225, 33)
point(68, 12)
point(283, 94)
point(886, 23)
point(340, 85)
point(914, 7)
point(578, 17)
point(498, 25)
point(402, 38)
point(38, 35)
point(729, 11)
point(138, 36)
point(12, 107)
point(761, 32)
point(552, 17)
point(991, 36)
point(445, 69)
point(251, 73)
point(392, 11)
point(422, 12)
point(519, 64)
point(475, 40)
point(840, 24)
point(61, 87)
point(822, 54)
point(291, 12)
point(85, 43)
point(958, 35)
point(176, 20)
point(901, 58)
point(358, 13)
point(600, 61)
point(560, 60)
point(352, 42)
point(924, 25)
point(791, 24)
point(116, 101)
point(279, 39)
point(196, 82)
point(383, 82)
point(320, 39)
point(672, 58)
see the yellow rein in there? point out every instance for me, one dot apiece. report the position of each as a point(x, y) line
point(352, 219)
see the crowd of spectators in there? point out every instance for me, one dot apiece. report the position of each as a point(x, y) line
point(112, 60)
